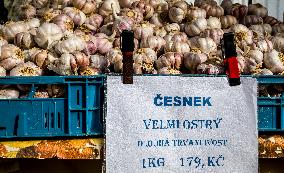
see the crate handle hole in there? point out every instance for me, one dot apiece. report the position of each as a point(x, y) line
point(45, 120)
point(52, 120)
point(58, 120)
point(78, 97)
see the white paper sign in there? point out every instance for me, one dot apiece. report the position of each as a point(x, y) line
point(171, 124)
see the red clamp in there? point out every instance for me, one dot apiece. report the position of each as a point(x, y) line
point(231, 62)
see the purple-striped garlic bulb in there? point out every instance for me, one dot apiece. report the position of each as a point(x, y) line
point(26, 69)
point(86, 6)
point(26, 12)
point(176, 37)
point(24, 40)
point(143, 30)
point(171, 60)
point(11, 56)
point(93, 22)
point(243, 35)
point(76, 15)
point(206, 45)
point(195, 27)
point(193, 59)
point(135, 14)
point(145, 8)
point(64, 22)
point(264, 45)
point(215, 34)
point(121, 23)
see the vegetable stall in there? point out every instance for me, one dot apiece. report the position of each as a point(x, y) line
point(82, 38)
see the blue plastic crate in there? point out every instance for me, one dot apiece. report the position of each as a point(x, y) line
point(78, 113)
point(271, 109)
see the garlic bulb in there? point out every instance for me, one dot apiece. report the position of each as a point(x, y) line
point(62, 66)
point(38, 56)
point(157, 20)
point(143, 30)
point(107, 29)
point(263, 45)
point(115, 58)
point(176, 37)
point(278, 43)
point(172, 27)
point(55, 91)
point(181, 47)
point(257, 55)
point(154, 42)
point(126, 3)
point(76, 15)
point(10, 29)
point(160, 31)
point(144, 61)
point(264, 28)
point(121, 23)
point(9, 94)
point(195, 13)
point(2, 71)
point(26, 69)
point(48, 14)
point(171, 59)
point(10, 56)
point(145, 8)
point(64, 22)
point(70, 44)
point(24, 40)
point(206, 45)
point(195, 27)
point(228, 21)
point(193, 59)
point(135, 14)
point(32, 23)
point(82, 61)
point(243, 35)
point(215, 34)
point(47, 34)
point(86, 6)
point(26, 12)
point(99, 62)
point(107, 7)
point(103, 43)
point(213, 22)
point(178, 11)
point(94, 22)
point(274, 61)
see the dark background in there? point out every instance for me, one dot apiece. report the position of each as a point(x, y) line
point(94, 166)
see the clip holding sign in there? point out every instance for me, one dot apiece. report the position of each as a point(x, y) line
point(127, 48)
point(230, 59)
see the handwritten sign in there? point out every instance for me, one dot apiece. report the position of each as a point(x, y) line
point(172, 124)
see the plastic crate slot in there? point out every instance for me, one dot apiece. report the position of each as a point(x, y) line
point(78, 120)
point(16, 125)
point(75, 79)
point(58, 120)
point(78, 97)
point(45, 120)
point(52, 120)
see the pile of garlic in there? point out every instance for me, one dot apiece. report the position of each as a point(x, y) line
point(81, 37)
